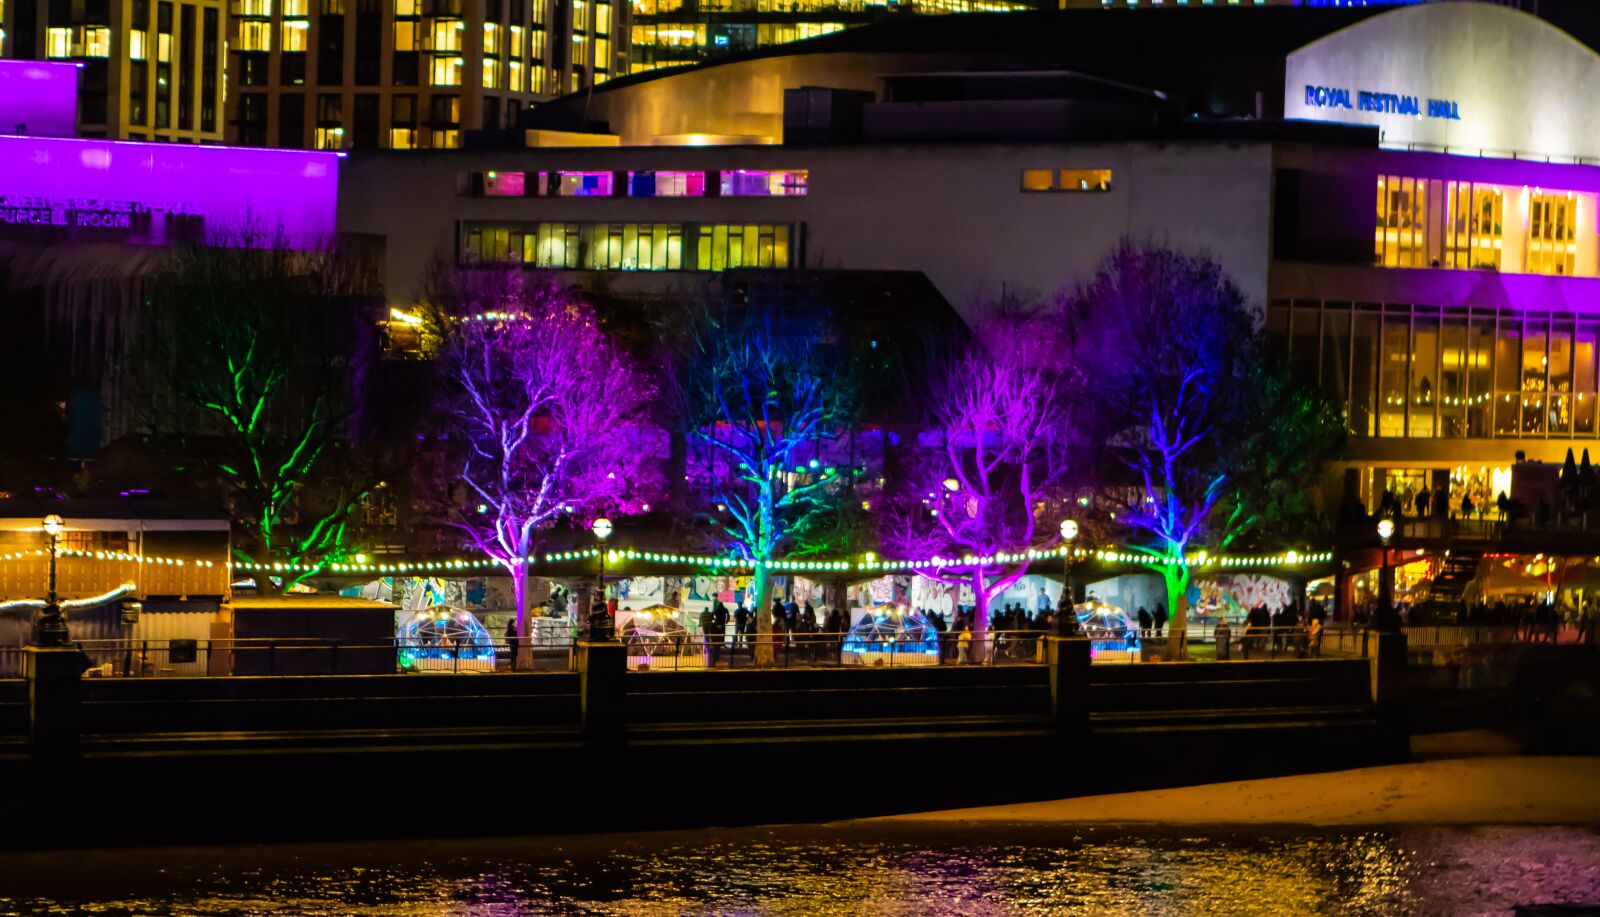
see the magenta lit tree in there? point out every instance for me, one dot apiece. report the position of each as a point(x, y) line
point(994, 449)
point(549, 411)
point(1171, 351)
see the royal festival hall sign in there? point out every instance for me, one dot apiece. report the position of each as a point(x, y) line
point(1382, 103)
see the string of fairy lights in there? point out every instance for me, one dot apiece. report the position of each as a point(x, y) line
point(868, 563)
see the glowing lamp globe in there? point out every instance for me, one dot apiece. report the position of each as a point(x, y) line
point(952, 485)
point(601, 528)
point(53, 525)
point(1069, 529)
point(1385, 529)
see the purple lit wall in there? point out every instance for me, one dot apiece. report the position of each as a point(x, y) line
point(40, 98)
point(158, 193)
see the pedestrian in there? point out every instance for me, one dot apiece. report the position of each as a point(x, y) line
point(963, 644)
point(1422, 502)
point(1466, 506)
point(1146, 623)
point(1316, 637)
point(741, 629)
point(708, 628)
point(1042, 601)
point(1159, 618)
point(513, 640)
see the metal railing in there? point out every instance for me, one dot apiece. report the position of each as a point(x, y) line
point(690, 651)
point(177, 658)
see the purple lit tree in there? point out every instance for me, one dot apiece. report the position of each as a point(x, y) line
point(995, 446)
point(548, 412)
point(771, 392)
point(1183, 399)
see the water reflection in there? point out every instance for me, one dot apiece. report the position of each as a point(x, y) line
point(833, 871)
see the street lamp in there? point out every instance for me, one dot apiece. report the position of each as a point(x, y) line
point(1385, 619)
point(51, 628)
point(599, 620)
point(1066, 610)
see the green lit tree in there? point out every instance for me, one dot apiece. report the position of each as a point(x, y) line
point(252, 359)
point(772, 396)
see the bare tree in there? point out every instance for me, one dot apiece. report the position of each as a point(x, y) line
point(547, 412)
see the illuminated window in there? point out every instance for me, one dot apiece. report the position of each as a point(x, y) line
point(1401, 209)
point(294, 34)
point(777, 183)
point(294, 8)
point(58, 43)
point(515, 77)
point(602, 54)
point(536, 45)
point(1552, 233)
point(446, 71)
point(258, 8)
point(1474, 227)
point(96, 41)
point(1082, 180)
point(536, 78)
point(491, 73)
point(602, 19)
point(516, 41)
point(407, 35)
point(504, 184)
point(254, 35)
point(580, 16)
point(666, 184)
point(724, 247)
point(408, 7)
point(491, 38)
point(402, 138)
point(136, 40)
point(330, 138)
point(447, 34)
point(444, 139)
point(585, 184)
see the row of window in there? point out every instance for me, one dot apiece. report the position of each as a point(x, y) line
point(655, 7)
point(1466, 225)
point(1071, 180)
point(599, 246)
point(1426, 372)
point(660, 183)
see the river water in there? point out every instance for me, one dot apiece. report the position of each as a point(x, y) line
point(833, 870)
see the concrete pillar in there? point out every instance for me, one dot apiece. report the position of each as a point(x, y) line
point(602, 666)
point(1344, 596)
point(1387, 658)
point(1068, 661)
point(55, 683)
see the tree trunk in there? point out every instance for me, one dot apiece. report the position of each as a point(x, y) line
point(980, 617)
point(761, 584)
point(523, 660)
point(1176, 577)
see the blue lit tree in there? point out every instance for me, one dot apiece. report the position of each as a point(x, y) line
point(771, 395)
point(1170, 348)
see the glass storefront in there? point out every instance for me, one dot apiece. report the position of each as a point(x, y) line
point(1426, 372)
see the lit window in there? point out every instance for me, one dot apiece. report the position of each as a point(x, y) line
point(602, 19)
point(408, 7)
point(58, 43)
point(602, 53)
point(294, 34)
point(164, 47)
point(504, 184)
point(258, 8)
point(777, 183)
point(515, 77)
point(1038, 179)
point(446, 71)
point(136, 41)
point(293, 8)
point(724, 247)
point(1400, 240)
point(580, 16)
point(402, 138)
point(1474, 231)
point(491, 38)
point(1085, 180)
point(585, 184)
point(516, 41)
point(330, 138)
point(447, 34)
point(1552, 233)
point(96, 41)
point(666, 184)
point(255, 36)
point(491, 73)
point(407, 35)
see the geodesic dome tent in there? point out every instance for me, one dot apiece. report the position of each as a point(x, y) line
point(444, 638)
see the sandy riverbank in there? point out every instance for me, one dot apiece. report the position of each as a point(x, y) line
point(1503, 790)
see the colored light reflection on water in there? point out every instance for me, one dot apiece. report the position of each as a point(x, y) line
point(824, 871)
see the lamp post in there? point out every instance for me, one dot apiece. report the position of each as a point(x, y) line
point(1066, 609)
point(1385, 619)
point(51, 628)
point(599, 620)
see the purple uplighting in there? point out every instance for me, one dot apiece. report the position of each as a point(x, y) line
point(159, 192)
point(38, 99)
